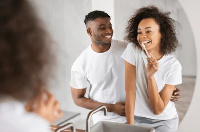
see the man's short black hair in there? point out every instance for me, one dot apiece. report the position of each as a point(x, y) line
point(95, 14)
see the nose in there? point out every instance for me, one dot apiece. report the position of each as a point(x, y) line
point(144, 36)
point(109, 30)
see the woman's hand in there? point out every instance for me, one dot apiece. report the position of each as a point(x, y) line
point(152, 66)
point(45, 105)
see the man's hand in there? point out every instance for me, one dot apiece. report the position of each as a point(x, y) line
point(119, 108)
point(45, 105)
point(175, 95)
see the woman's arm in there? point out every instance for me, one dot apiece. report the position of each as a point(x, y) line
point(130, 86)
point(158, 100)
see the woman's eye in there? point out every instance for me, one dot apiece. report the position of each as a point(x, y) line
point(139, 33)
point(148, 31)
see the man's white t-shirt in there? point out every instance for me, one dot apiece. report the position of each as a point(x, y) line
point(104, 72)
point(169, 72)
point(14, 118)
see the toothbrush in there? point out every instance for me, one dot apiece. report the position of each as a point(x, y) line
point(145, 50)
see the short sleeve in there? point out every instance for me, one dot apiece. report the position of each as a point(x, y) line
point(129, 54)
point(175, 75)
point(78, 78)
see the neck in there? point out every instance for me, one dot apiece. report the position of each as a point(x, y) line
point(157, 55)
point(100, 48)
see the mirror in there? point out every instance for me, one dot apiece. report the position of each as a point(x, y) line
point(64, 20)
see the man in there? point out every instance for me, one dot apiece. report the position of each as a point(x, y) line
point(101, 67)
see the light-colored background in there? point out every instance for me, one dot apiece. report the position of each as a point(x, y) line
point(64, 21)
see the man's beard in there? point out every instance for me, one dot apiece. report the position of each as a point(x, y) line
point(102, 43)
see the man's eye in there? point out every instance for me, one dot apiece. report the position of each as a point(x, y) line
point(102, 28)
point(148, 31)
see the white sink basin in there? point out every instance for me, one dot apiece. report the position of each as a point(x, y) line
point(119, 127)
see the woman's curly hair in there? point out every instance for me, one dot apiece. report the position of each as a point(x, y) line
point(24, 50)
point(169, 40)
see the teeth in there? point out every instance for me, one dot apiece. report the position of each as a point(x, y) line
point(145, 42)
point(108, 36)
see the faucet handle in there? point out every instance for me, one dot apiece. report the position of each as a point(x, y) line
point(91, 113)
point(68, 125)
point(100, 107)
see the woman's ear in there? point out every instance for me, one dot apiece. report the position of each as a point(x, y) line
point(89, 32)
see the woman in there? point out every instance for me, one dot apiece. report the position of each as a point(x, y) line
point(151, 73)
point(24, 70)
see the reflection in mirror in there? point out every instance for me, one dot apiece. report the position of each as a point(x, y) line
point(185, 52)
point(64, 19)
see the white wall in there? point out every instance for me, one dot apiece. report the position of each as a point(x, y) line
point(64, 20)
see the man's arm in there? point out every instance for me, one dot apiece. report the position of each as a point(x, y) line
point(79, 99)
point(175, 95)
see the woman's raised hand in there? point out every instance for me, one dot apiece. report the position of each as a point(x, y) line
point(152, 66)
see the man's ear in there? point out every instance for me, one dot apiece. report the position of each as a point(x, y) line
point(89, 31)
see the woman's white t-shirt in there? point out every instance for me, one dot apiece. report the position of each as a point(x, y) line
point(169, 72)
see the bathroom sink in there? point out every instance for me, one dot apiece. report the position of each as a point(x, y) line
point(119, 127)
point(105, 126)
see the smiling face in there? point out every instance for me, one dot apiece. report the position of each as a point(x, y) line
point(149, 34)
point(100, 31)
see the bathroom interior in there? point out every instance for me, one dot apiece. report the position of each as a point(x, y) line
point(64, 21)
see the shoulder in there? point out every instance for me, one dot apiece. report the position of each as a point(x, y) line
point(172, 61)
point(81, 59)
point(83, 54)
point(173, 69)
point(117, 44)
point(133, 48)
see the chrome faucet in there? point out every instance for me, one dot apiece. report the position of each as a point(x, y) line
point(68, 125)
point(91, 113)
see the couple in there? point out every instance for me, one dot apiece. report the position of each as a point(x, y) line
point(135, 81)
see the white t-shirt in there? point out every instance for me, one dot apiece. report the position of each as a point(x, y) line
point(14, 118)
point(169, 72)
point(104, 72)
